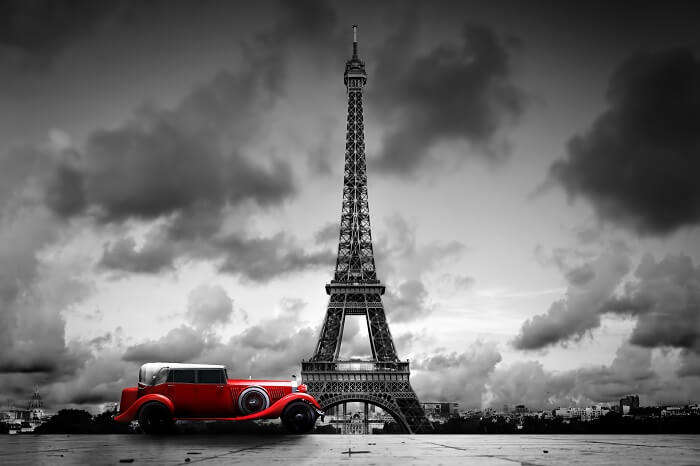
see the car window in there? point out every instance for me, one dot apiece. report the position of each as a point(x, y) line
point(160, 376)
point(209, 376)
point(183, 375)
point(151, 375)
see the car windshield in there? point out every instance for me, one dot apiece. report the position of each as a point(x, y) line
point(149, 375)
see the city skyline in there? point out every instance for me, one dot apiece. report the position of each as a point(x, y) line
point(170, 177)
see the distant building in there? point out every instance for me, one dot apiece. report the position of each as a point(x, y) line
point(673, 411)
point(440, 409)
point(594, 412)
point(589, 413)
point(520, 409)
point(629, 403)
point(567, 413)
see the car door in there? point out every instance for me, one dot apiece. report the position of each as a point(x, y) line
point(214, 398)
point(182, 389)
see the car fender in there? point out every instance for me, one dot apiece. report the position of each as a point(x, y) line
point(277, 407)
point(131, 413)
point(273, 411)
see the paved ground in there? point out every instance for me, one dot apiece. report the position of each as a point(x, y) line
point(335, 449)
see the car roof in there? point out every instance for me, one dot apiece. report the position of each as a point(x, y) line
point(179, 365)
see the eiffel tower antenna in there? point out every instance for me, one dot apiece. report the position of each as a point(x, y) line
point(354, 41)
point(382, 380)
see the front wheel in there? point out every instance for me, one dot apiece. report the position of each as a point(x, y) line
point(298, 417)
point(155, 418)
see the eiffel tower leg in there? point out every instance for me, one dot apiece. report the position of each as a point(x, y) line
point(328, 346)
point(366, 420)
point(414, 414)
point(345, 418)
point(371, 337)
point(339, 338)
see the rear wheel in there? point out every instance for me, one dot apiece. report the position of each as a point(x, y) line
point(155, 418)
point(298, 417)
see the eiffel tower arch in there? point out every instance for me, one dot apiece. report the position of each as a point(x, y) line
point(382, 380)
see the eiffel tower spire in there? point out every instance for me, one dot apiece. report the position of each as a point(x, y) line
point(382, 380)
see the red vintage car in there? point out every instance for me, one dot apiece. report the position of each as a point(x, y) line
point(167, 392)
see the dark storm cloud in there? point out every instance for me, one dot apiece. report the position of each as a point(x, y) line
point(663, 297)
point(579, 312)
point(690, 363)
point(272, 348)
point(638, 163)
point(328, 233)
point(476, 377)
point(261, 259)
point(456, 376)
point(19, 168)
point(455, 92)
point(665, 300)
point(408, 302)
point(208, 306)
point(99, 378)
point(303, 25)
point(174, 165)
point(404, 261)
point(630, 372)
point(65, 193)
point(399, 253)
point(100, 342)
point(188, 167)
point(580, 276)
point(110, 366)
point(42, 28)
point(257, 259)
point(155, 255)
point(181, 344)
point(32, 294)
point(167, 162)
point(32, 329)
point(101, 381)
point(529, 383)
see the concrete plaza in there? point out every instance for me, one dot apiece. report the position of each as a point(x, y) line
point(335, 449)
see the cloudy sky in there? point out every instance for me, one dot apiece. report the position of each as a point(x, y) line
point(170, 189)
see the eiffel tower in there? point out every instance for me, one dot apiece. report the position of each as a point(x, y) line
point(36, 402)
point(382, 381)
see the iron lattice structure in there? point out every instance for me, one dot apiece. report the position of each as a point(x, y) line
point(355, 290)
point(36, 402)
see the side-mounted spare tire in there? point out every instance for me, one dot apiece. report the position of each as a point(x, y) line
point(298, 417)
point(155, 418)
point(253, 400)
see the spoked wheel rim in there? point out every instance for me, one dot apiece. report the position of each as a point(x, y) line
point(299, 418)
point(253, 402)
